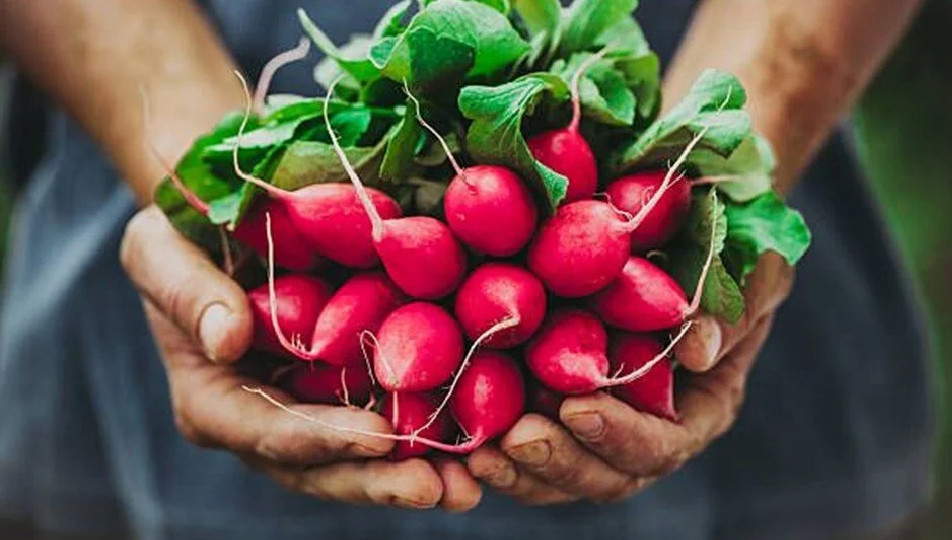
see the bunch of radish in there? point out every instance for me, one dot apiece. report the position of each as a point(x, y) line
point(503, 299)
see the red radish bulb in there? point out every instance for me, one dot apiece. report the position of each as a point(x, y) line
point(565, 151)
point(299, 300)
point(568, 353)
point(633, 192)
point(653, 393)
point(407, 412)
point(359, 306)
point(418, 348)
point(329, 385)
point(291, 250)
point(489, 398)
point(490, 209)
point(495, 292)
point(580, 249)
point(644, 298)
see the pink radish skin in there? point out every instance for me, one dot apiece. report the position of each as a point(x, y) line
point(653, 393)
point(360, 305)
point(329, 385)
point(631, 193)
point(644, 298)
point(495, 292)
point(410, 413)
point(568, 354)
point(421, 256)
point(291, 250)
point(489, 399)
point(418, 348)
point(580, 249)
point(300, 299)
point(490, 209)
point(566, 152)
point(545, 402)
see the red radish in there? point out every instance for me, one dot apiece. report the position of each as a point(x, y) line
point(644, 298)
point(418, 347)
point(487, 206)
point(489, 399)
point(568, 354)
point(299, 299)
point(495, 292)
point(544, 401)
point(292, 252)
point(653, 393)
point(631, 193)
point(407, 411)
point(359, 306)
point(580, 249)
point(490, 209)
point(330, 385)
point(333, 218)
point(565, 151)
point(420, 253)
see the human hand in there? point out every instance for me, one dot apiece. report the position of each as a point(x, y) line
point(202, 324)
point(607, 451)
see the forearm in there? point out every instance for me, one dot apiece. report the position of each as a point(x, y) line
point(92, 57)
point(803, 63)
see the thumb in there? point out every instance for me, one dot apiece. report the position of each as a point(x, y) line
point(183, 283)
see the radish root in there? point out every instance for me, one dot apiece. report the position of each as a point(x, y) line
point(431, 129)
point(615, 380)
point(375, 219)
point(273, 65)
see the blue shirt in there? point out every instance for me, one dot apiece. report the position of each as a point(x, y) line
point(834, 435)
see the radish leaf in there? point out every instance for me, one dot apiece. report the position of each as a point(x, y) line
point(587, 20)
point(761, 225)
point(495, 136)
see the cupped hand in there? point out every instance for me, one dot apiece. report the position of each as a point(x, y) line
point(603, 450)
point(202, 325)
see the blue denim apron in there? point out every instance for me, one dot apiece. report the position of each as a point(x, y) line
point(834, 436)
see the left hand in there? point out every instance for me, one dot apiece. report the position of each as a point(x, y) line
point(607, 451)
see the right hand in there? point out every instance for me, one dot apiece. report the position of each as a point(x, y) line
point(202, 324)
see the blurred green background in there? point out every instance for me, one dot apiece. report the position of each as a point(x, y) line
point(903, 128)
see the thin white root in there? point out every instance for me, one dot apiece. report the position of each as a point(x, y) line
point(274, 191)
point(273, 65)
point(363, 352)
point(375, 219)
point(432, 130)
point(505, 324)
point(343, 386)
point(643, 370)
point(576, 81)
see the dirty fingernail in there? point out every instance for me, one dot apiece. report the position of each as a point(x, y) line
point(586, 425)
point(533, 453)
point(213, 329)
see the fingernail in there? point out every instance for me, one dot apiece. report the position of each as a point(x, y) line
point(586, 425)
point(213, 328)
point(713, 341)
point(503, 476)
point(533, 453)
